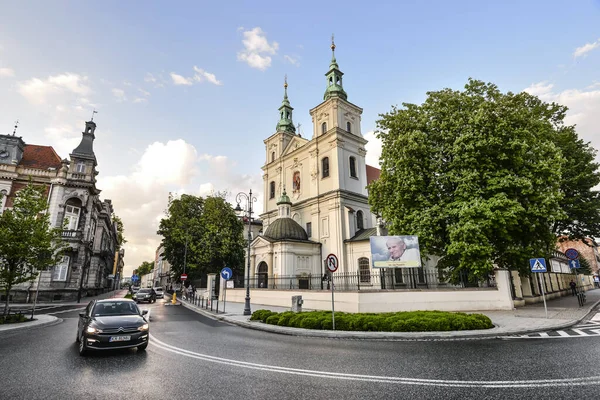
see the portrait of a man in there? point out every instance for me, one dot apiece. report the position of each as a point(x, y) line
point(395, 251)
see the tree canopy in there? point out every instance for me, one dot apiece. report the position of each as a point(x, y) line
point(28, 243)
point(145, 268)
point(120, 231)
point(484, 177)
point(212, 231)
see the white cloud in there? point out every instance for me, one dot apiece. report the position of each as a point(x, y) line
point(586, 48)
point(202, 74)
point(119, 94)
point(149, 78)
point(126, 83)
point(539, 89)
point(144, 92)
point(257, 49)
point(181, 80)
point(140, 100)
point(6, 72)
point(373, 149)
point(292, 60)
point(38, 91)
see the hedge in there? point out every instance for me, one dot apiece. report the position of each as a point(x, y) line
point(406, 321)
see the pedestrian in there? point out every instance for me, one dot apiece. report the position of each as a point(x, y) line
point(597, 281)
point(573, 287)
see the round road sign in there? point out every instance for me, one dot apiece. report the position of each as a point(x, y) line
point(332, 262)
point(183, 277)
point(572, 254)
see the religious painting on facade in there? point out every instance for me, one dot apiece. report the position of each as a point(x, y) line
point(395, 251)
point(296, 182)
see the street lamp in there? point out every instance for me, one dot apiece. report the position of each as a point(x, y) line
point(249, 200)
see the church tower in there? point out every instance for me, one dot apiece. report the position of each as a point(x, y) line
point(83, 159)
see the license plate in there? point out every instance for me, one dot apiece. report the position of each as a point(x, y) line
point(119, 338)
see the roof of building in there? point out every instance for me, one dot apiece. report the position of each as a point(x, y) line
point(372, 174)
point(40, 157)
point(285, 228)
point(363, 234)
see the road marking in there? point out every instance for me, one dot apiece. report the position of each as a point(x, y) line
point(563, 333)
point(580, 332)
point(544, 334)
point(596, 317)
point(585, 381)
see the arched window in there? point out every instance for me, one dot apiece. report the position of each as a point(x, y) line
point(272, 190)
point(364, 270)
point(71, 217)
point(324, 127)
point(325, 167)
point(349, 127)
point(360, 224)
point(353, 167)
point(272, 156)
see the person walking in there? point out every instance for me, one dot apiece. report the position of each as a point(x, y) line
point(573, 287)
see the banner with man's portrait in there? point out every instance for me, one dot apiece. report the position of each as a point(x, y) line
point(395, 252)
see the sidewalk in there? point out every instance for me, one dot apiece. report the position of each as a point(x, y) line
point(563, 312)
point(84, 300)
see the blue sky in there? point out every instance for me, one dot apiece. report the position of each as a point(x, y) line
point(187, 91)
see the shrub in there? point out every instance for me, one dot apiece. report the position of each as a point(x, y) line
point(273, 319)
point(261, 315)
point(310, 323)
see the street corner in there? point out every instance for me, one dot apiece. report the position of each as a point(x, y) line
point(39, 321)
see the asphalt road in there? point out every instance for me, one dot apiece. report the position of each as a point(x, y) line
point(193, 357)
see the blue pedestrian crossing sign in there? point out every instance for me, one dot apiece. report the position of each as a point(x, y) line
point(574, 264)
point(226, 273)
point(538, 265)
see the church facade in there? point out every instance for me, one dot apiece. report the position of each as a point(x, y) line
point(315, 201)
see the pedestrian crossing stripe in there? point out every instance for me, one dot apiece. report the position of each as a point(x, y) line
point(538, 266)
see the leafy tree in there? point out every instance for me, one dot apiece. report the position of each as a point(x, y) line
point(203, 233)
point(120, 231)
point(28, 243)
point(145, 268)
point(475, 174)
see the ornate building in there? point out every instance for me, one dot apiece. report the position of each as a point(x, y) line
point(74, 204)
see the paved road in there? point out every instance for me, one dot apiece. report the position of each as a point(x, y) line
point(192, 356)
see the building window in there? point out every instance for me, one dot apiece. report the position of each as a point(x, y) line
point(81, 167)
point(364, 270)
point(272, 156)
point(353, 167)
point(324, 127)
point(61, 269)
point(325, 167)
point(3, 196)
point(272, 190)
point(349, 127)
point(71, 220)
point(360, 221)
point(309, 229)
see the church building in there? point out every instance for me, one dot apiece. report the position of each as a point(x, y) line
point(315, 201)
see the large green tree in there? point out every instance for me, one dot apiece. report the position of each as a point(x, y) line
point(145, 268)
point(120, 231)
point(476, 174)
point(28, 243)
point(204, 234)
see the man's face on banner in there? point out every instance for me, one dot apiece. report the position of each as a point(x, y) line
point(396, 248)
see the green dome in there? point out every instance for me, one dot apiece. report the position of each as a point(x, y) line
point(284, 199)
point(285, 228)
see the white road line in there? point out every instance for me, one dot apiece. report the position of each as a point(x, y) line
point(582, 333)
point(563, 333)
point(544, 334)
point(64, 311)
point(596, 317)
point(584, 381)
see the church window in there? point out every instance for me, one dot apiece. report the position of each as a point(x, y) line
point(324, 127)
point(81, 167)
point(338, 80)
point(272, 156)
point(272, 190)
point(330, 81)
point(353, 167)
point(309, 229)
point(360, 221)
point(296, 182)
point(282, 115)
point(325, 167)
point(60, 270)
point(364, 270)
point(349, 127)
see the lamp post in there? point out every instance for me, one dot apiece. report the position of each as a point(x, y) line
point(249, 200)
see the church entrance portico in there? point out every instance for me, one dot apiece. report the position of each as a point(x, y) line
point(262, 274)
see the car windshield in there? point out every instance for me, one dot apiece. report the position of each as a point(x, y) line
point(158, 289)
point(115, 308)
point(145, 290)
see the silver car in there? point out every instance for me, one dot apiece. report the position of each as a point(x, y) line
point(159, 292)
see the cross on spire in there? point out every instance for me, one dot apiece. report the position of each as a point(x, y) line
point(93, 112)
point(16, 125)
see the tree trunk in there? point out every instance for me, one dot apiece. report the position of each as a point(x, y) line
point(7, 291)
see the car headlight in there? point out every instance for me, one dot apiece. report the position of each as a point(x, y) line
point(91, 329)
point(143, 327)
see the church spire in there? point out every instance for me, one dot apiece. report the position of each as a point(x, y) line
point(334, 78)
point(285, 123)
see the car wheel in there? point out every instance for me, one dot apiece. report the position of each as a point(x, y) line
point(142, 347)
point(82, 346)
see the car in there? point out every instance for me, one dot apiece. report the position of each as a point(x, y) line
point(159, 292)
point(148, 295)
point(112, 324)
point(134, 289)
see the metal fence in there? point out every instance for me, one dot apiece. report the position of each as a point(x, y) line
point(389, 279)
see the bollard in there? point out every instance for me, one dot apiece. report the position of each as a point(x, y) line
point(174, 298)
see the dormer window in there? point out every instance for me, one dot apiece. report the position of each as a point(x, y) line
point(324, 127)
point(353, 167)
point(80, 167)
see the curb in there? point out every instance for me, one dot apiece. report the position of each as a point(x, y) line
point(26, 326)
point(387, 336)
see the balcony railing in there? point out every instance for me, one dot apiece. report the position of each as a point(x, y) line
point(72, 234)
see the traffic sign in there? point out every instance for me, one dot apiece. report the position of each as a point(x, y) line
point(135, 278)
point(183, 277)
point(226, 273)
point(538, 265)
point(574, 264)
point(332, 263)
point(572, 254)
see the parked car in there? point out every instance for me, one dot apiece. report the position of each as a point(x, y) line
point(148, 295)
point(134, 289)
point(159, 292)
point(112, 324)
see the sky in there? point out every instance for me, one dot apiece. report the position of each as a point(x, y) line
point(187, 91)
